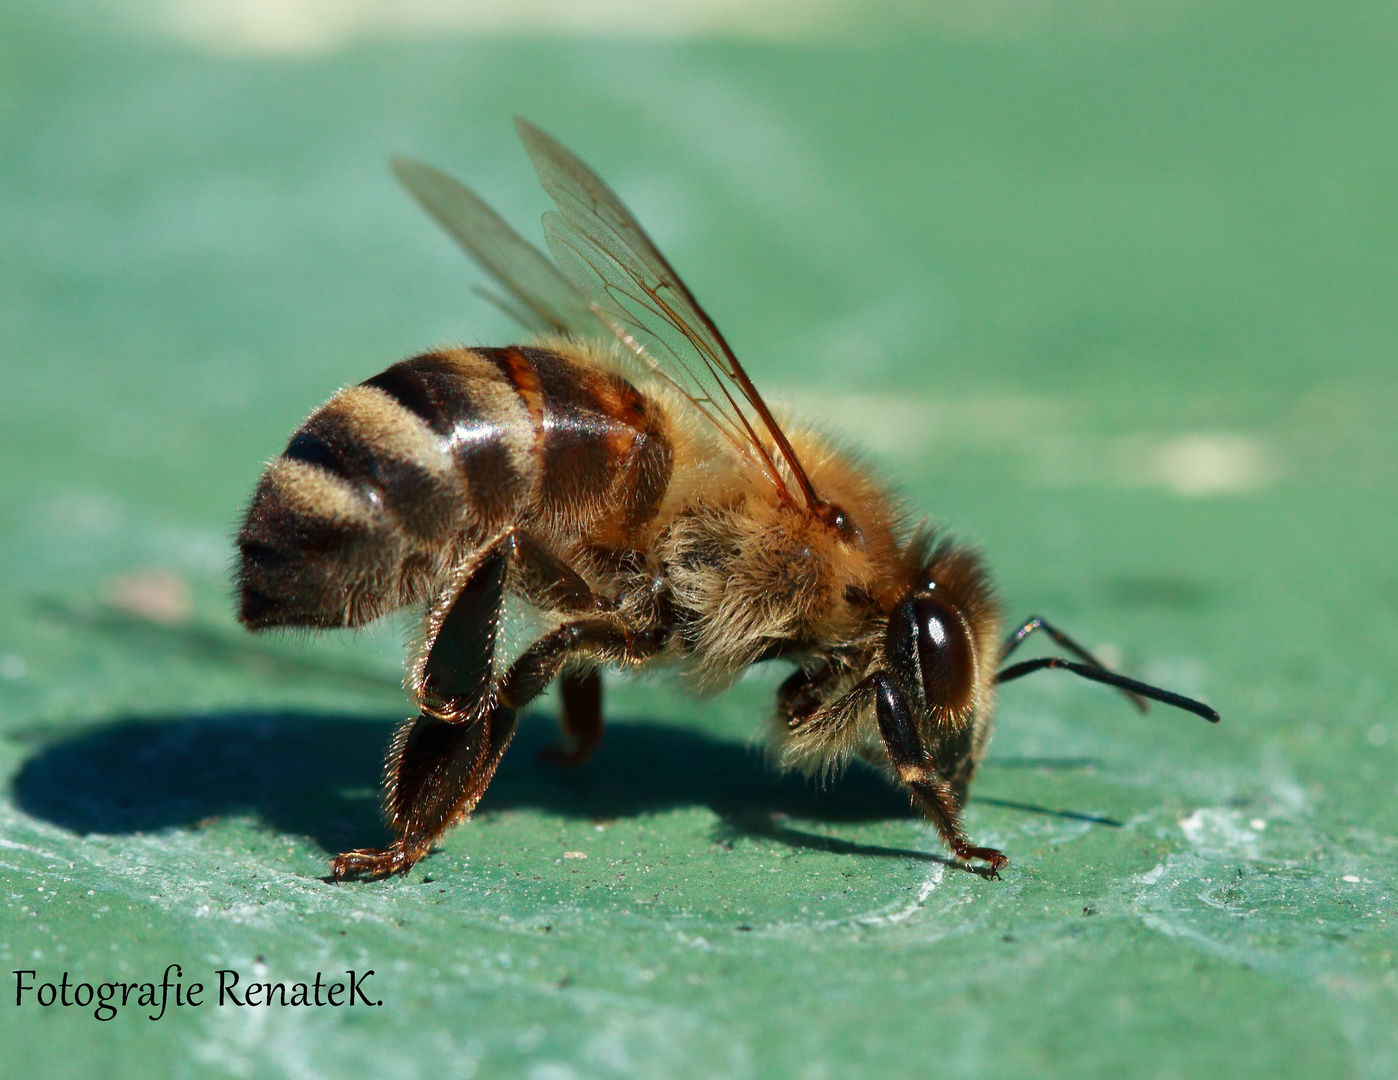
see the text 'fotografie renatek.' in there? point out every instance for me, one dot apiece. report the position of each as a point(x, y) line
point(107, 999)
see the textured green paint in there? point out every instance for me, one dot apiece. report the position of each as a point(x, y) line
point(1053, 266)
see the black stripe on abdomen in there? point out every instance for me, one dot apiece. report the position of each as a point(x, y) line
point(586, 424)
point(448, 396)
point(332, 443)
point(583, 442)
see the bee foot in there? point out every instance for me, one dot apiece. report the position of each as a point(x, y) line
point(566, 756)
point(370, 864)
point(996, 859)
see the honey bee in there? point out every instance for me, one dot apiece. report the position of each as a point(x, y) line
point(621, 475)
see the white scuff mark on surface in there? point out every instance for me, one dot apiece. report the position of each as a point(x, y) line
point(1220, 831)
point(908, 911)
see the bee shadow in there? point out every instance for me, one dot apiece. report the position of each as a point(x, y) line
point(318, 776)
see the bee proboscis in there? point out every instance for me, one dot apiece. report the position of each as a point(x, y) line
point(621, 475)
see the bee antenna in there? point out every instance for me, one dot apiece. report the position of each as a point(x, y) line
point(1111, 678)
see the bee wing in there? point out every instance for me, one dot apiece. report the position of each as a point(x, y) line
point(524, 270)
point(611, 262)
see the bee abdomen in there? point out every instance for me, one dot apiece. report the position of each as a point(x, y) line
point(381, 487)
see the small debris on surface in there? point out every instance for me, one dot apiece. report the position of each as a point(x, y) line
point(575, 854)
point(160, 595)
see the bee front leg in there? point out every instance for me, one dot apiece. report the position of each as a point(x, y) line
point(917, 767)
point(440, 762)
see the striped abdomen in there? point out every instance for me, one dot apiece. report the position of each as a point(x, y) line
point(380, 491)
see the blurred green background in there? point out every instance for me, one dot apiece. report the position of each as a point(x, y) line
point(1108, 287)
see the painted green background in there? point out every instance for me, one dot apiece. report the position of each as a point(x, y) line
point(1110, 290)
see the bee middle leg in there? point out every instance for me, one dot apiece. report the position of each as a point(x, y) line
point(580, 718)
point(555, 586)
point(586, 641)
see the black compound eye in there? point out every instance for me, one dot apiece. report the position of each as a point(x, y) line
point(943, 652)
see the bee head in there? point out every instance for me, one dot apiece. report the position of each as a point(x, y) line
point(940, 638)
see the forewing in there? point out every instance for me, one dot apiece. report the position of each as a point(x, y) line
point(611, 261)
point(525, 271)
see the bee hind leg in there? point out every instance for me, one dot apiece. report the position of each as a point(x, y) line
point(440, 762)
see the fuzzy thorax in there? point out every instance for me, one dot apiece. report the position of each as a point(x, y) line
point(755, 571)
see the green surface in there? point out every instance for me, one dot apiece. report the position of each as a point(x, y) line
point(1113, 293)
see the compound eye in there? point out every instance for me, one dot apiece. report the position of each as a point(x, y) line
point(943, 653)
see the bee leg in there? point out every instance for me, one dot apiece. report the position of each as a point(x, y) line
point(556, 586)
point(801, 696)
point(437, 772)
point(916, 767)
point(440, 762)
point(588, 640)
point(581, 718)
point(591, 642)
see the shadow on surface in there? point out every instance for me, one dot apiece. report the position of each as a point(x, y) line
point(1048, 764)
point(318, 776)
point(774, 827)
point(1035, 808)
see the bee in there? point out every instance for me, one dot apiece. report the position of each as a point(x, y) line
point(620, 475)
